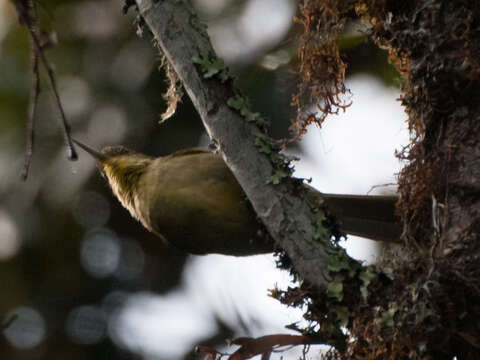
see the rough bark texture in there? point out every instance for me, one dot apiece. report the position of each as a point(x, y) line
point(431, 311)
point(287, 218)
point(431, 308)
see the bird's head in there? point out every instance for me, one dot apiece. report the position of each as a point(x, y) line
point(122, 167)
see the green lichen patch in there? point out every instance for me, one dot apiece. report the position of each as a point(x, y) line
point(240, 104)
point(212, 66)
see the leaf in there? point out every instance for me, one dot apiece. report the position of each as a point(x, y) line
point(335, 289)
point(224, 75)
point(277, 177)
point(342, 314)
point(259, 135)
point(213, 68)
point(210, 66)
point(337, 263)
point(263, 146)
point(321, 232)
point(236, 102)
point(198, 59)
point(366, 276)
point(388, 315)
point(239, 103)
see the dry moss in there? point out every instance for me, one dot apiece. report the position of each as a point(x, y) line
point(321, 70)
point(429, 309)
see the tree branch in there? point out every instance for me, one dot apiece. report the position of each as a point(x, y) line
point(287, 217)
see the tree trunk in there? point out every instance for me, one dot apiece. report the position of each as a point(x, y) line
point(430, 308)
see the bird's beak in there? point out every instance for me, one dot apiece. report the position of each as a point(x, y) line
point(96, 154)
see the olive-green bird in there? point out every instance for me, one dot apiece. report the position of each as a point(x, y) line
point(192, 200)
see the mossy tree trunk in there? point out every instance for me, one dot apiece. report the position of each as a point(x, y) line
point(429, 308)
point(432, 309)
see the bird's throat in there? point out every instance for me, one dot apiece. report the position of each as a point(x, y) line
point(123, 177)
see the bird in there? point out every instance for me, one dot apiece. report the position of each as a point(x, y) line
point(191, 200)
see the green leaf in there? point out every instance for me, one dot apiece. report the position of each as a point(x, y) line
point(366, 276)
point(211, 66)
point(335, 289)
point(337, 263)
point(262, 145)
point(198, 59)
point(236, 102)
point(259, 135)
point(342, 314)
point(319, 217)
point(253, 117)
point(277, 177)
point(321, 232)
point(239, 103)
point(224, 74)
point(389, 315)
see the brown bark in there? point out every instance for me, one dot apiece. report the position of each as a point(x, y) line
point(435, 46)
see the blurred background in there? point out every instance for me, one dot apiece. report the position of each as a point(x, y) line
point(86, 281)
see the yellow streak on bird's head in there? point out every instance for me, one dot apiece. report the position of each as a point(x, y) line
point(123, 168)
point(123, 173)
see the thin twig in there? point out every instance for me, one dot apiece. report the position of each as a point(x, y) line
point(32, 108)
point(7, 321)
point(22, 13)
point(72, 154)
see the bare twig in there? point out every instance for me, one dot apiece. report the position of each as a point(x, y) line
point(32, 108)
point(7, 321)
point(27, 15)
point(72, 155)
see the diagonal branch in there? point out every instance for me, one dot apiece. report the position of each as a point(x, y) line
point(287, 217)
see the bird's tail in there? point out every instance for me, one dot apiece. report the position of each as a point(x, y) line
point(367, 216)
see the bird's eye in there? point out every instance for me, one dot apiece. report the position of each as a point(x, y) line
point(116, 150)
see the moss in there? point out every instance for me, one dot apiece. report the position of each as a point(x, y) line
point(426, 308)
